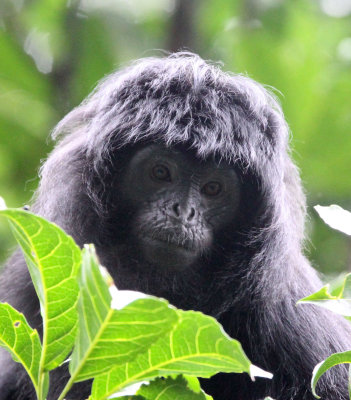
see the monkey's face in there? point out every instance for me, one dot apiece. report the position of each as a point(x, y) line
point(180, 204)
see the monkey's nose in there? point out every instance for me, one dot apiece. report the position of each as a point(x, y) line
point(184, 212)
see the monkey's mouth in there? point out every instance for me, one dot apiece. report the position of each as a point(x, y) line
point(167, 253)
point(175, 243)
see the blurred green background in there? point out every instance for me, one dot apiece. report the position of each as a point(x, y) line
point(52, 53)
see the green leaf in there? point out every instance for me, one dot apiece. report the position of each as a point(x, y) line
point(177, 388)
point(193, 383)
point(331, 361)
point(331, 297)
point(341, 286)
point(107, 337)
point(197, 346)
point(53, 261)
point(23, 342)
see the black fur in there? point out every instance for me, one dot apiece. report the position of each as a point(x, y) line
point(254, 275)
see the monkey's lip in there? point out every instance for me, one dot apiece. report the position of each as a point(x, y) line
point(172, 244)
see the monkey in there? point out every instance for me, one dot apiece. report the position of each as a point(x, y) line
point(181, 175)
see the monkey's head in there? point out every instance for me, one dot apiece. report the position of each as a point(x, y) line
point(173, 164)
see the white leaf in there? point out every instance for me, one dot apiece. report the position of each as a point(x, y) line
point(258, 372)
point(121, 298)
point(2, 204)
point(336, 217)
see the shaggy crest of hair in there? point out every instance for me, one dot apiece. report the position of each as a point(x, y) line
point(180, 99)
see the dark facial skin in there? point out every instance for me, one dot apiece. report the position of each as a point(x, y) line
point(180, 202)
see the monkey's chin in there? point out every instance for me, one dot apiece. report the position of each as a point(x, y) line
point(167, 256)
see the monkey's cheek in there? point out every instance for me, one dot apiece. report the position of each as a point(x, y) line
point(167, 256)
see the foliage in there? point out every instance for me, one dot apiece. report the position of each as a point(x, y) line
point(23, 343)
point(331, 297)
point(335, 296)
point(118, 348)
point(172, 388)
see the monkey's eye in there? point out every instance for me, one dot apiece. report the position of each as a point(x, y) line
point(161, 173)
point(212, 189)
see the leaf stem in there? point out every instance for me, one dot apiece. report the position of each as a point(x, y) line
point(66, 388)
point(41, 385)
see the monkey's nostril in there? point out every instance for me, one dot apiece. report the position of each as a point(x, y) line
point(191, 214)
point(176, 209)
